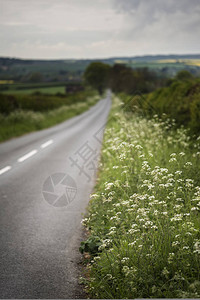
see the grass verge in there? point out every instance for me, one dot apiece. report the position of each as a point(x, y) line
point(21, 121)
point(143, 219)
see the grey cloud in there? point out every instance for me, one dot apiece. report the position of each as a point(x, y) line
point(143, 13)
point(143, 16)
point(153, 6)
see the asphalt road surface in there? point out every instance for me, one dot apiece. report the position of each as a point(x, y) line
point(46, 178)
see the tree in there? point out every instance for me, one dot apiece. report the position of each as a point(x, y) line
point(36, 77)
point(121, 78)
point(97, 76)
point(184, 75)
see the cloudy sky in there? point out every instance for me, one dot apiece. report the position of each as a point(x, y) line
point(98, 28)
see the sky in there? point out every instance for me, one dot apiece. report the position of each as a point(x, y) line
point(62, 29)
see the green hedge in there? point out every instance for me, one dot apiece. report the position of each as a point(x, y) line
point(39, 102)
point(179, 101)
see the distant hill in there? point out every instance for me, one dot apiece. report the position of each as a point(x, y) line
point(158, 57)
point(8, 61)
point(30, 70)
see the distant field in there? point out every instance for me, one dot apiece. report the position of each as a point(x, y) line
point(189, 62)
point(59, 70)
point(45, 90)
point(50, 88)
point(192, 62)
point(174, 64)
point(6, 81)
point(156, 65)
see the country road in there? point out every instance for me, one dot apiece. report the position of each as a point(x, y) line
point(46, 178)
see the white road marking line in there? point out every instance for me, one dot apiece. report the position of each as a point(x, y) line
point(46, 144)
point(5, 170)
point(21, 159)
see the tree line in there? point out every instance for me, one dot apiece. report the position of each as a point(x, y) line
point(121, 78)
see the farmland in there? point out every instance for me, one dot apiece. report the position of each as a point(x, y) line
point(40, 70)
point(52, 88)
point(45, 90)
point(30, 71)
point(189, 62)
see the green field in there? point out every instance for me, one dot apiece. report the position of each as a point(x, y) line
point(50, 88)
point(167, 66)
point(45, 90)
point(156, 65)
point(52, 70)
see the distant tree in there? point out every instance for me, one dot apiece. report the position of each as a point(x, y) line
point(184, 75)
point(36, 77)
point(121, 78)
point(97, 75)
point(128, 80)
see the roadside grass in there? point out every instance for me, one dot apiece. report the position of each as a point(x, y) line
point(21, 121)
point(143, 218)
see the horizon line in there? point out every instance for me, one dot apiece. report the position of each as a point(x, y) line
point(102, 58)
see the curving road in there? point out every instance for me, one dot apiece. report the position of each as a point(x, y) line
point(45, 181)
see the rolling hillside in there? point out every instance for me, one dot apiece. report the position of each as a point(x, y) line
point(20, 70)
